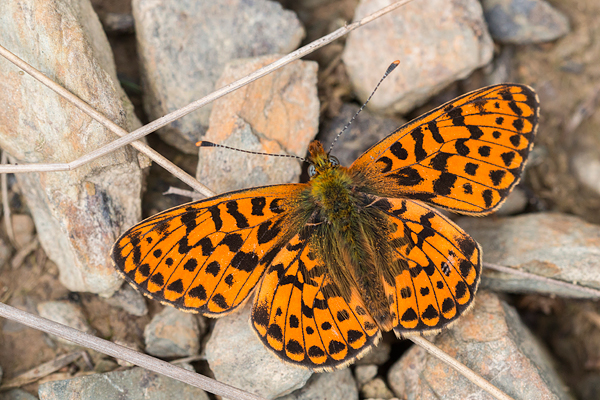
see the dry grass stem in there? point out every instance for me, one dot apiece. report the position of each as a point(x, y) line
point(5, 206)
point(124, 353)
point(550, 281)
point(460, 367)
point(41, 371)
point(167, 119)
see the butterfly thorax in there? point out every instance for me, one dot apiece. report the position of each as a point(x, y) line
point(352, 241)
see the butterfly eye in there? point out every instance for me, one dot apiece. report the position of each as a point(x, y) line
point(334, 161)
point(312, 171)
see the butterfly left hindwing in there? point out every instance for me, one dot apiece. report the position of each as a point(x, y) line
point(299, 313)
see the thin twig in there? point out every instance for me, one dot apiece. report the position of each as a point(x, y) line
point(182, 192)
point(23, 252)
point(123, 353)
point(42, 371)
point(5, 206)
point(549, 281)
point(89, 110)
point(167, 119)
point(460, 367)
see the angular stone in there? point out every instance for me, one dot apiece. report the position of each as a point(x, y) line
point(337, 385)
point(65, 313)
point(132, 384)
point(184, 46)
point(376, 389)
point(552, 245)
point(524, 21)
point(16, 394)
point(78, 214)
point(491, 340)
point(365, 373)
point(130, 300)
point(279, 114)
point(237, 357)
point(172, 333)
point(437, 42)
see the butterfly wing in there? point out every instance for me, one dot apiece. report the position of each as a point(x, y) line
point(441, 266)
point(207, 256)
point(299, 314)
point(465, 155)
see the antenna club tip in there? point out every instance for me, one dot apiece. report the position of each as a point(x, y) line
point(204, 143)
point(392, 66)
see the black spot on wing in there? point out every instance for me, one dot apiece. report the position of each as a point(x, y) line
point(240, 220)
point(419, 151)
point(398, 151)
point(258, 205)
point(444, 184)
point(435, 132)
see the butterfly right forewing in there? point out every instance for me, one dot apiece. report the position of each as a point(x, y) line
point(465, 155)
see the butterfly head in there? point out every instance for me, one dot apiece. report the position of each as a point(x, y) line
point(320, 161)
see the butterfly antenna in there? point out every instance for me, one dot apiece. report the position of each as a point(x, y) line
point(387, 72)
point(204, 143)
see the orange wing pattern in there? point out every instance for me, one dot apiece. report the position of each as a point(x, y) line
point(207, 256)
point(443, 267)
point(299, 314)
point(465, 155)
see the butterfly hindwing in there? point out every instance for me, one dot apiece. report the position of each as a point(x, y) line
point(207, 256)
point(465, 155)
point(442, 267)
point(299, 314)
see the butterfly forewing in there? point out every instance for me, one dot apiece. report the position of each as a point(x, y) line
point(299, 314)
point(465, 156)
point(207, 256)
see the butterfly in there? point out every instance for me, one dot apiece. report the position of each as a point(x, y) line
point(353, 252)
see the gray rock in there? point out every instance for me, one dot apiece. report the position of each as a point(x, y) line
point(16, 394)
point(365, 373)
point(366, 130)
point(553, 245)
point(130, 300)
point(378, 355)
point(79, 213)
point(172, 333)
point(430, 58)
point(586, 165)
point(23, 229)
point(524, 21)
point(376, 389)
point(337, 385)
point(515, 203)
point(277, 114)
point(238, 358)
point(491, 340)
point(66, 313)
point(184, 46)
point(134, 384)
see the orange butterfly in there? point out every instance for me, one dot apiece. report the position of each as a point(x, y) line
point(354, 251)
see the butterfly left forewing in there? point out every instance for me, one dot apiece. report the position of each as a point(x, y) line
point(207, 256)
point(299, 314)
point(441, 267)
point(465, 155)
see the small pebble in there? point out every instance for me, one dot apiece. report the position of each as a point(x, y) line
point(237, 357)
point(376, 388)
point(130, 300)
point(365, 373)
point(337, 385)
point(65, 313)
point(524, 21)
point(172, 333)
point(16, 394)
point(132, 384)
